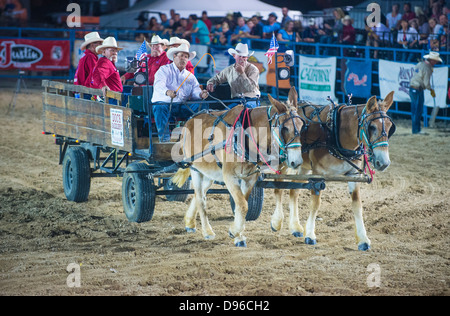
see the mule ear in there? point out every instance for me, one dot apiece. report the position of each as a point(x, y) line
point(372, 105)
point(387, 102)
point(293, 96)
point(281, 108)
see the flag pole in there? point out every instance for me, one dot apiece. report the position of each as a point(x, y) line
point(276, 75)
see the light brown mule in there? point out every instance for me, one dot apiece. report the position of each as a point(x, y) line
point(365, 124)
point(203, 131)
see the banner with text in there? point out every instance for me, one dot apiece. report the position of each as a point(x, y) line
point(396, 76)
point(317, 77)
point(39, 55)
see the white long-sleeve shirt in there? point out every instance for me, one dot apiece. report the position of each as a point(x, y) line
point(169, 77)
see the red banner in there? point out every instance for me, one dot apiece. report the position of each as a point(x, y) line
point(38, 55)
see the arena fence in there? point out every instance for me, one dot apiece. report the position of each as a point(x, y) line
point(63, 64)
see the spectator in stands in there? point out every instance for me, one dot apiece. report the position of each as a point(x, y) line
point(87, 63)
point(155, 59)
point(424, 31)
point(154, 25)
point(311, 32)
point(240, 31)
point(407, 13)
point(242, 76)
point(436, 10)
point(286, 18)
point(287, 34)
point(165, 23)
point(419, 82)
point(436, 30)
point(272, 27)
point(394, 17)
point(176, 23)
point(225, 36)
point(182, 29)
point(407, 38)
point(199, 32)
point(377, 36)
point(348, 31)
point(331, 30)
point(206, 20)
point(173, 83)
point(105, 75)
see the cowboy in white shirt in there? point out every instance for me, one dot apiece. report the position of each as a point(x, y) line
point(173, 83)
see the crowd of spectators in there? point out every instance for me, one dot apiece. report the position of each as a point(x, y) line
point(13, 13)
point(421, 28)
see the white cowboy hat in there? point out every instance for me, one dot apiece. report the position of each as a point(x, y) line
point(241, 50)
point(107, 43)
point(90, 38)
point(157, 40)
point(433, 56)
point(176, 40)
point(182, 48)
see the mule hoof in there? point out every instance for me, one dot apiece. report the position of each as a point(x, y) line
point(241, 243)
point(310, 241)
point(210, 237)
point(273, 229)
point(190, 230)
point(297, 234)
point(230, 234)
point(364, 247)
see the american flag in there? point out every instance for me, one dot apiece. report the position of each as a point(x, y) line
point(272, 49)
point(141, 52)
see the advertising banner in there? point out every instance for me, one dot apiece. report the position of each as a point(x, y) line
point(317, 77)
point(358, 78)
point(396, 76)
point(39, 55)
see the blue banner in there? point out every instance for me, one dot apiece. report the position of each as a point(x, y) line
point(358, 78)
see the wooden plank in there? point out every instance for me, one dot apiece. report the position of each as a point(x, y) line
point(162, 151)
point(80, 89)
point(73, 104)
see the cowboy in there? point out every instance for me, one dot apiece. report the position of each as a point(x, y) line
point(176, 42)
point(242, 77)
point(105, 75)
point(419, 82)
point(89, 60)
point(173, 83)
point(156, 59)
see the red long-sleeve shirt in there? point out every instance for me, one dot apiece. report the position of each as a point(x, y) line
point(106, 74)
point(85, 67)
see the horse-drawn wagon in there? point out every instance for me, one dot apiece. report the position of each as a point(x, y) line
point(99, 139)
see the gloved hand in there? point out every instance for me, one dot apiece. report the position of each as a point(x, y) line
point(433, 93)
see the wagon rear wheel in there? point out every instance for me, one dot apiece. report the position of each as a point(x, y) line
point(138, 193)
point(169, 185)
point(76, 174)
point(255, 203)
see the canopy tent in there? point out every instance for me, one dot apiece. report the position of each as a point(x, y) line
point(127, 18)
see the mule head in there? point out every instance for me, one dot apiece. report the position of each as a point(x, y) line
point(287, 129)
point(375, 130)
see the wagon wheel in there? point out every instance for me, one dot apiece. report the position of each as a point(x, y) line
point(138, 194)
point(255, 203)
point(76, 174)
point(169, 185)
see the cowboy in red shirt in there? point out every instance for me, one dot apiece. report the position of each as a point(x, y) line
point(105, 75)
point(89, 60)
point(156, 59)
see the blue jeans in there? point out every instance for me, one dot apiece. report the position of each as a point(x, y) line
point(162, 115)
point(417, 100)
point(250, 104)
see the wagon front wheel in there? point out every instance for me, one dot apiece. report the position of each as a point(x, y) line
point(138, 193)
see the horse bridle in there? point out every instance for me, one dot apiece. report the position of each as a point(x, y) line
point(275, 119)
point(363, 135)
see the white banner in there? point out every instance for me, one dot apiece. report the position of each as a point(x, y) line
point(396, 76)
point(317, 78)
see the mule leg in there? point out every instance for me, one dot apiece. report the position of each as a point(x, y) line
point(360, 230)
point(189, 217)
point(294, 223)
point(276, 222)
point(240, 194)
point(310, 236)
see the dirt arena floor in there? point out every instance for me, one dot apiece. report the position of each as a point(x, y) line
point(406, 213)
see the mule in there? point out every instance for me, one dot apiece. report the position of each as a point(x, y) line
point(335, 142)
point(227, 161)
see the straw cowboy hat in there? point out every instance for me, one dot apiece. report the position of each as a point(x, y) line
point(182, 48)
point(107, 43)
point(157, 40)
point(241, 50)
point(90, 38)
point(433, 56)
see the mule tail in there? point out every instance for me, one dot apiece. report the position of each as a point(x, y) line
point(181, 176)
